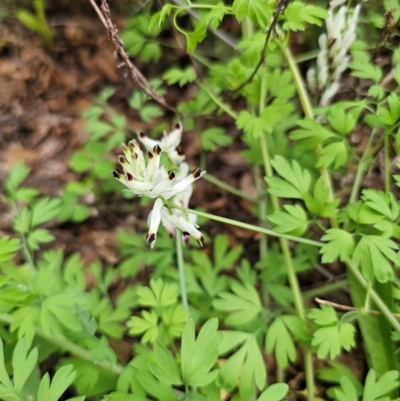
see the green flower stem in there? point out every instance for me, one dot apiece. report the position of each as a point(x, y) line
point(362, 167)
point(71, 347)
point(308, 112)
point(324, 289)
point(223, 106)
point(374, 296)
point(292, 278)
point(228, 188)
point(181, 269)
point(246, 226)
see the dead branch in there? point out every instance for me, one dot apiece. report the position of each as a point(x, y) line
point(105, 17)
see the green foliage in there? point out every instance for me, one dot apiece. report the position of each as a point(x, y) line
point(332, 335)
point(245, 96)
point(37, 21)
point(18, 388)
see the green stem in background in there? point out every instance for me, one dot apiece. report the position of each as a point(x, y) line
point(181, 269)
point(374, 296)
point(228, 188)
point(366, 307)
point(386, 162)
point(308, 112)
point(223, 106)
point(70, 346)
point(324, 289)
point(292, 278)
point(362, 167)
point(246, 226)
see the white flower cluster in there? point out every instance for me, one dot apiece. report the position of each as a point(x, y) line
point(332, 58)
point(152, 180)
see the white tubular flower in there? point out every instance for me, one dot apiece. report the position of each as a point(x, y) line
point(154, 221)
point(153, 181)
point(169, 143)
point(149, 180)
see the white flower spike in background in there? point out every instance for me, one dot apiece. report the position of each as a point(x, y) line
point(151, 180)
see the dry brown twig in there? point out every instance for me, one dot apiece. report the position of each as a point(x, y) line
point(105, 17)
point(349, 308)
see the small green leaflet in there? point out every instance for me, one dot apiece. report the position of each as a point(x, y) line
point(381, 202)
point(279, 339)
point(8, 248)
point(245, 366)
point(293, 221)
point(363, 68)
point(342, 120)
point(182, 77)
point(374, 390)
point(391, 116)
point(373, 254)
point(158, 294)
point(274, 392)
point(341, 244)
point(17, 174)
point(23, 364)
point(244, 304)
point(297, 14)
point(196, 36)
point(259, 12)
point(311, 133)
point(200, 354)
point(295, 181)
point(335, 153)
point(167, 369)
point(213, 137)
point(332, 335)
point(317, 204)
point(147, 324)
point(257, 126)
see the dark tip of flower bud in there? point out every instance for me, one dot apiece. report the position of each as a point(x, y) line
point(142, 135)
point(129, 176)
point(150, 154)
point(171, 175)
point(178, 126)
point(131, 145)
point(150, 237)
point(121, 159)
point(180, 151)
point(196, 173)
point(116, 174)
point(186, 237)
point(171, 234)
point(200, 241)
point(157, 150)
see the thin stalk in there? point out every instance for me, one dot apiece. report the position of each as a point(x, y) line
point(181, 269)
point(387, 163)
point(367, 297)
point(223, 106)
point(70, 346)
point(292, 278)
point(227, 187)
point(308, 112)
point(374, 296)
point(324, 289)
point(247, 226)
point(362, 166)
point(259, 181)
